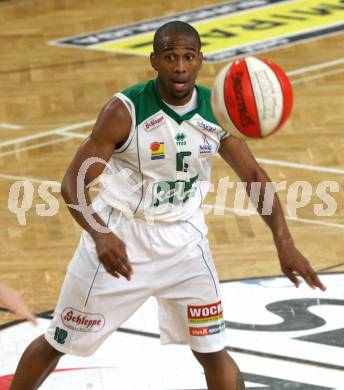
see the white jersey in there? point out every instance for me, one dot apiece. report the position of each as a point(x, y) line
point(162, 172)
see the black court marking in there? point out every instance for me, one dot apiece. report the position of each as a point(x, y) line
point(247, 352)
point(279, 384)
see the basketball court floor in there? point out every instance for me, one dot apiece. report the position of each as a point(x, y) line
point(61, 60)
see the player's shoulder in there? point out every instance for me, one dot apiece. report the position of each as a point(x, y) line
point(204, 103)
point(203, 91)
point(135, 91)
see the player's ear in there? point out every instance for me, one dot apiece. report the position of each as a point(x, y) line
point(200, 58)
point(153, 61)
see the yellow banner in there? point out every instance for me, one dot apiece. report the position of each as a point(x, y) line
point(274, 21)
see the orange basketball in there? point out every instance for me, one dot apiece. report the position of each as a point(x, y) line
point(252, 97)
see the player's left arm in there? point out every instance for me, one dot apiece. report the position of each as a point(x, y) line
point(236, 153)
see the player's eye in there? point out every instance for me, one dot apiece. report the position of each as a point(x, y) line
point(189, 57)
point(170, 57)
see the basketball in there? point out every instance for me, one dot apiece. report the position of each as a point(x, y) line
point(251, 97)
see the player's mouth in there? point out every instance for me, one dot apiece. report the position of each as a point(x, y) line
point(180, 85)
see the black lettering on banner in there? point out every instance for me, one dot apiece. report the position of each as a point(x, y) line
point(257, 25)
point(315, 11)
point(218, 33)
point(289, 17)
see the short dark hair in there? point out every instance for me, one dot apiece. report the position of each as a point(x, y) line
point(175, 27)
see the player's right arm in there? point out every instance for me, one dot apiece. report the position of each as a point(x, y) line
point(111, 129)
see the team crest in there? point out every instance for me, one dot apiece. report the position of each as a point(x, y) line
point(157, 150)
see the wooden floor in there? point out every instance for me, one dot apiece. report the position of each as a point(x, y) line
point(45, 87)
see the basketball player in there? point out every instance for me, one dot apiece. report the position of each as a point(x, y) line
point(147, 236)
point(13, 301)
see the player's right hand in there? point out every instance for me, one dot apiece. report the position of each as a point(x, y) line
point(113, 255)
point(13, 300)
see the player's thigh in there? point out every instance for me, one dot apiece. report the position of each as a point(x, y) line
point(93, 303)
point(190, 308)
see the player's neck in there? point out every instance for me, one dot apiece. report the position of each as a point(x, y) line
point(185, 108)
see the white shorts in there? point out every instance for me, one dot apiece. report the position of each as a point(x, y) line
point(171, 261)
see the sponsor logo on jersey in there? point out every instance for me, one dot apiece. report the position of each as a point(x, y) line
point(82, 322)
point(206, 149)
point(207, 330)
point(228, 30)
point(180, 139)
point(205, 311)
point(154, 122)
point(206, 126)
point(157, 150)
point(174, 192)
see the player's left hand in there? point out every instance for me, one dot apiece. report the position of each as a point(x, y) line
point(292, 261)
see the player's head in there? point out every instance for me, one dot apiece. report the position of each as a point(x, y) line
point(177, 58)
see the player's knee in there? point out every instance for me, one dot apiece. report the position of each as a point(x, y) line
point(45, 348)
point(213, 360)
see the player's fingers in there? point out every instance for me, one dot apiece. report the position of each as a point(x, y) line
point(24, 313)
point(123, 268)
point(123, 256)
point(109, 265)
point(292, 277)
point(308, 280)
point(316, 281)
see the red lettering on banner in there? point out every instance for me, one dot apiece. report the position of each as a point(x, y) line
point(198, 331)
point(154, 122)
point(82, 322)
point(206, 311)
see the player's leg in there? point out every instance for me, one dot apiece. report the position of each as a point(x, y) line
point(220, 370)
point(91, 306)
point(190, 308)
point(36, 363)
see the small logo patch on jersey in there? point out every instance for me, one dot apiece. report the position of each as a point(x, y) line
point(207, 330)
point(81, 321)
point(154, 122)
point(158, 150)
point(205, 312)
point(206, 149)
point(206, 126)
point(180, 139)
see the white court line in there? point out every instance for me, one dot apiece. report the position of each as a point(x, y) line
point(46, 133)
point(71, 134)
point(305, 167)
point(285, 164)
point(316, 67)
point(90, 122)
point(239, 212)
point(318, 76)
point(248, 213)
point(63, 130)
point(25, 178)
point(10, 126)
point(36, 146)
